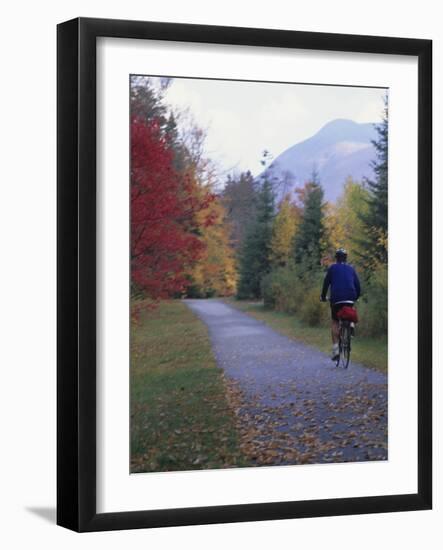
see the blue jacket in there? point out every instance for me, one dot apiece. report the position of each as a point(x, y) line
point(343, 281)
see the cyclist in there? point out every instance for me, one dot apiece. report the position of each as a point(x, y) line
point(345, 290)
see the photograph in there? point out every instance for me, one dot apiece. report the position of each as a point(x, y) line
point(222, 314)
point(259, 273)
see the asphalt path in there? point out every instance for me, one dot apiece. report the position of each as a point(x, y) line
point(293, 397)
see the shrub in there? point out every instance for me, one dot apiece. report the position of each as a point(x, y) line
point(282, 290)
point(286, 289)
point(312, 311)
point(373, 308)
point(294, 290)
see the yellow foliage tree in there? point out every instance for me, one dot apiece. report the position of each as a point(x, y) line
point(283, 232)
point(335, 235)
point(352, 207)
point(215, 274)
point(343, 221)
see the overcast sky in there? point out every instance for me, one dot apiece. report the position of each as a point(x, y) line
point(244, 118)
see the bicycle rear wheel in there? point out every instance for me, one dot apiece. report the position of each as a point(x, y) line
point(345, 345)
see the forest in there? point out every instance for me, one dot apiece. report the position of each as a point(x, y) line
point(197, 233)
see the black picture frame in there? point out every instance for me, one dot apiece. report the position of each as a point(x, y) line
point(76, 266)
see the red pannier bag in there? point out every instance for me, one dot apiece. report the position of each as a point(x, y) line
point(348, 313)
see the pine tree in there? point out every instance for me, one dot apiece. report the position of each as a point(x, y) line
point(254, 256)
point(308, 245)
point(240, 202)
point(375, 221)
point(147, 101)
point(173, 138)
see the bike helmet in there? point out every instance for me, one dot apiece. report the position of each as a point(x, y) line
point(341, 254)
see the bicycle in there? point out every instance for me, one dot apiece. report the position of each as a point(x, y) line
point(345, 332)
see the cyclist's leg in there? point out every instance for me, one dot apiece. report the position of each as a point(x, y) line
point(334, 332)
point(334, 323)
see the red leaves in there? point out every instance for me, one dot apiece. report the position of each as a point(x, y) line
point(164, 204)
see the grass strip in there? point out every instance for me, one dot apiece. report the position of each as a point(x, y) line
point(180, 417)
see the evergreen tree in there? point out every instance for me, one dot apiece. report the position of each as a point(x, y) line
point(308, 245)
point(147, 101)
point(172, 136)
point(254, 257)
point(240, 202)
point(375, 221)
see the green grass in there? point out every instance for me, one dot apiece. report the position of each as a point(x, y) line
point(180, 419)
point(372, 352)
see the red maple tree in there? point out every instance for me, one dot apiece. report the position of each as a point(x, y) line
point(164, 203)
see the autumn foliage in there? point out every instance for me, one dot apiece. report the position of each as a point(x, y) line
point(194, 236)
point(165, 207)
point(215, 273)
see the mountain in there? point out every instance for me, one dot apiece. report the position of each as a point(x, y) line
point(340, 149)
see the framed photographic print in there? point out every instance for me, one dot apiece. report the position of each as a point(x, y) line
point(244, 274)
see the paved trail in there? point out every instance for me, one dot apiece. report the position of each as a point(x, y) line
point(296, 405)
